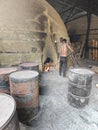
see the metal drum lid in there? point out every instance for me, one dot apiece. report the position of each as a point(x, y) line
point(7, 70)
point(23, 75)
point(82, 71)
point(29, 64)
point(80, 76)
point(7, 109)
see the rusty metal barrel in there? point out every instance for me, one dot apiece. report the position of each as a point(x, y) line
point(79, 86)
point(30, 66)
point(4, 79)
point(8, 114)
point(25, 90)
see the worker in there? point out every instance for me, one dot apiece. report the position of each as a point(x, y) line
point(48, 64)
point(63, 52)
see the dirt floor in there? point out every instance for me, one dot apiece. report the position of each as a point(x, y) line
point(55, 111)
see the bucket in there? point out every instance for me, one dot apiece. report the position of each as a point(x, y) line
point(79, 86)
point(25, 90)
point(4, 79)
point(8, 116)
point(30, 66)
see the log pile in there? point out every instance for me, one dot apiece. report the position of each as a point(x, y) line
point(95, 69)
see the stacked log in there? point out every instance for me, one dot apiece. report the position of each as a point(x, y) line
point(93, 50)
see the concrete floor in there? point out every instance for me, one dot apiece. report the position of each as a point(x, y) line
point(56, 113)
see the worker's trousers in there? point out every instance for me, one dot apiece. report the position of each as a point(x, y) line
point(63, 66)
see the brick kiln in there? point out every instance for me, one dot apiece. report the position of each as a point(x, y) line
point(29, 31)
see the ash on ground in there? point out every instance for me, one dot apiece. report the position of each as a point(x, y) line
point(56, 113)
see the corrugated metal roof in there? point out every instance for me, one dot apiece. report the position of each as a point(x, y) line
point(72, 9)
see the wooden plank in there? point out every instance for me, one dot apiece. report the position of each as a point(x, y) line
point(95, 69)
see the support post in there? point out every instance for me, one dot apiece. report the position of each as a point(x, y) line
point(86, 48)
